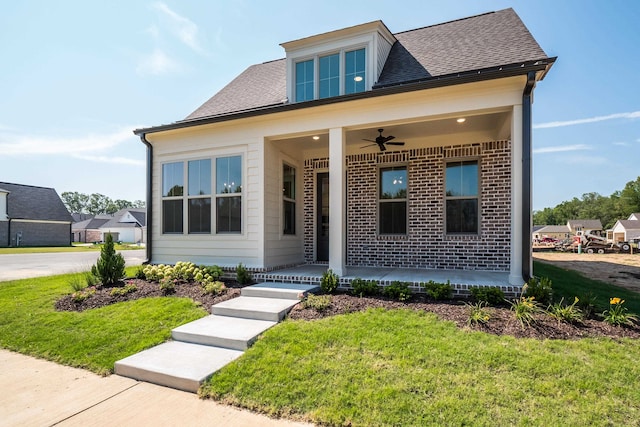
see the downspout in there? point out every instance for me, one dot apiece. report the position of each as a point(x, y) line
point(527, 196)
point(149, 202)
point(9, 233)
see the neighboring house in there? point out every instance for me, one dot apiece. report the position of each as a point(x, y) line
point(578, 226)
point(126, 225)
point(88, 230)
point(32, 216)
point(295, 160)
point(626, 230)
point(634, 217)
point(559, 232)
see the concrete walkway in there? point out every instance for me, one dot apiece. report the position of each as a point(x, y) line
point(40, 393)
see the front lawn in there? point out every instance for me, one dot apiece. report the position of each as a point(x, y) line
point(93, 339)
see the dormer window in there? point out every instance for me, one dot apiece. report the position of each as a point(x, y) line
point(338, 73)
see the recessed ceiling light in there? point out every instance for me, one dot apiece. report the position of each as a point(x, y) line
point(358, 78)
point(461, 120)
point(316, 137)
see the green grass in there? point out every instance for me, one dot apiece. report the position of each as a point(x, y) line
point(408, 368)
point(93, 339)
point(569, 284)
point(91, 248)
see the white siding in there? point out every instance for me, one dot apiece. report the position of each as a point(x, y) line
point(382, 52)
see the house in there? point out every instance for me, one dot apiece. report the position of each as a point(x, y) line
point(558, 232)
point(634, 216)
point(88, 230)
point(626, 230)
point(359, 148)
point(126, 225)
point(578, 227)
point(32, 216)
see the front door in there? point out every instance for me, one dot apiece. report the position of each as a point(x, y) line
point(322, 217)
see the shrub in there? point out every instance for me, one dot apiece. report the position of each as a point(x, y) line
point(168, 285)
point(77, 284)
point(215, 272)
point(213, 288)
point(242, 275)
point(329, 282)
point(140, 273)
point(125, 290)
point(90, 279)
point(490, 295)
point(80, 296)
point(617, 314)
point(478, 314)
point(110, 266)
point(565, 313)
point(587, 304)
point(363, 287)
point(524, 309)
point(317, 302)
point(540, 289)
point(439, 291)
point(397, 290)
point(184, 270)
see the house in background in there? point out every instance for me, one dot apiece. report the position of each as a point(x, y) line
point(32, 216)
point(626, 230)
point(577, 227)
point(558, 232)
point(88, 230)
point(127, 225)
point(360, 148)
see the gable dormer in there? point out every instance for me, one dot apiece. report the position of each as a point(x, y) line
point(340, 62)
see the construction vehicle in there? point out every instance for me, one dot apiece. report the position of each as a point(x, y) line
point(592, 242)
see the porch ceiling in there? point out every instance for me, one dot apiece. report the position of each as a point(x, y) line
point(488, 126)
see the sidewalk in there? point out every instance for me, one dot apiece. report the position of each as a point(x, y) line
point(41, 393)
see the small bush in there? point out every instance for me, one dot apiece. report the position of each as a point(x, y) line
point(80, 296)
point(617, 315)
point(168, 285)
point(490, 295)
point(587, 304)
point(77, 283)
point(184, 270)
point(438, 291)
point(213, 288)
point(110, 266)
point(524, 309)
point(397, 290)
point(363, 287)
point(329, 282)
point(90, 279)
point(540, 289)
point(317, 302)
point(565, 313)
point(140, 273)
point(478, 314)
point(214, 271)
point(125, 290)
point(242, 275)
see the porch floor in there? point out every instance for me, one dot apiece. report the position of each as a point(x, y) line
point(460, 279)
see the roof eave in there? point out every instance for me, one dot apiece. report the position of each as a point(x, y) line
point(541, 67)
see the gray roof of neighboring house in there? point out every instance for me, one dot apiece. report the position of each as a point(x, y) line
point(554, 229)
point(630, 224)
point(450, 50)
point(591, 224)
point(34, 203)
point(91, 223)
point(139, 215)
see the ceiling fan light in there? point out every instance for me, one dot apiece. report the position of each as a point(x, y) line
point(357, 78)
point(461, 120)
point(316, 137)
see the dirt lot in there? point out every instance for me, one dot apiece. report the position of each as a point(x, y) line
point(618, 269)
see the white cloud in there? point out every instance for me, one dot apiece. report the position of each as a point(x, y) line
point(631, 115)
point(90, 147)
point(157, 63)
point(621, 144)
point(183, 28)
point(561, 148)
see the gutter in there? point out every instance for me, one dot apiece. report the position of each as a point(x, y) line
point(149, 246)
point(526, 175)
point(473, 76)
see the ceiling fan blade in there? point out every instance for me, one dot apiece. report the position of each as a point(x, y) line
point(395, 143)
point(370, 145)
point(389, 138)
point(370, 140)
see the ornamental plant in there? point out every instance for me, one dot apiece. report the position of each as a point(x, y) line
point(397, 290)
point(524, 309)
point(617, 315)
point(110, 266)
point(363, 287)
point(566, 313)
point(329, 282)
point(478, 313)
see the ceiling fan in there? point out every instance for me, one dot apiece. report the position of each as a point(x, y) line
point(380, 141)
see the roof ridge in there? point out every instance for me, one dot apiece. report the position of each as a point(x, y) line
point(28, 185)
point(452, 21)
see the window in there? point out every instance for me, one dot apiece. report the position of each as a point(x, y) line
point(172, 192)
point(339, 73)
point(304, 81)
point(228, 194)
point(462, 197)
point(392, 210)
point(289, 199)
point(199, 186)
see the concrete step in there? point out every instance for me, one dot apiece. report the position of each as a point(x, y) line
point(271, 309)
point(294, 291)
point(222, 331)
point(174, 364)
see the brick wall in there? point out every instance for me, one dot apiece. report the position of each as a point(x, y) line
point(41, 234)
point(426, 245)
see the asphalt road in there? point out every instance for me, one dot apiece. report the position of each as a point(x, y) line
point(23, 266)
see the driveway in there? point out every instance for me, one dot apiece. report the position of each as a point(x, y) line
point(23, 266)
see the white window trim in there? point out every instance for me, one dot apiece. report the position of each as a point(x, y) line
point(283, 199)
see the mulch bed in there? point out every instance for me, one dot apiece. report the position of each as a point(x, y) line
point(502, 321)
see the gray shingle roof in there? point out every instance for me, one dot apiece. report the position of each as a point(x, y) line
point(35, 203)
point(630, 224)
point(590, 224)
point(138, 214)
point(479, 42)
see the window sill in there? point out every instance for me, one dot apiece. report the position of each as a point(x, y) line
point(392, 237)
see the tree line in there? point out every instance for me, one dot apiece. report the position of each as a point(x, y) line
point(96, 203)
point(608, 210)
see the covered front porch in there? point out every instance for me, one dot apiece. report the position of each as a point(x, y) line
point(461, 280)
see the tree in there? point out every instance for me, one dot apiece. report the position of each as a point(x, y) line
point(110, 266)
point(74, 201)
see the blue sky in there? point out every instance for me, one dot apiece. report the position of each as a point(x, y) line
point(77, 76)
